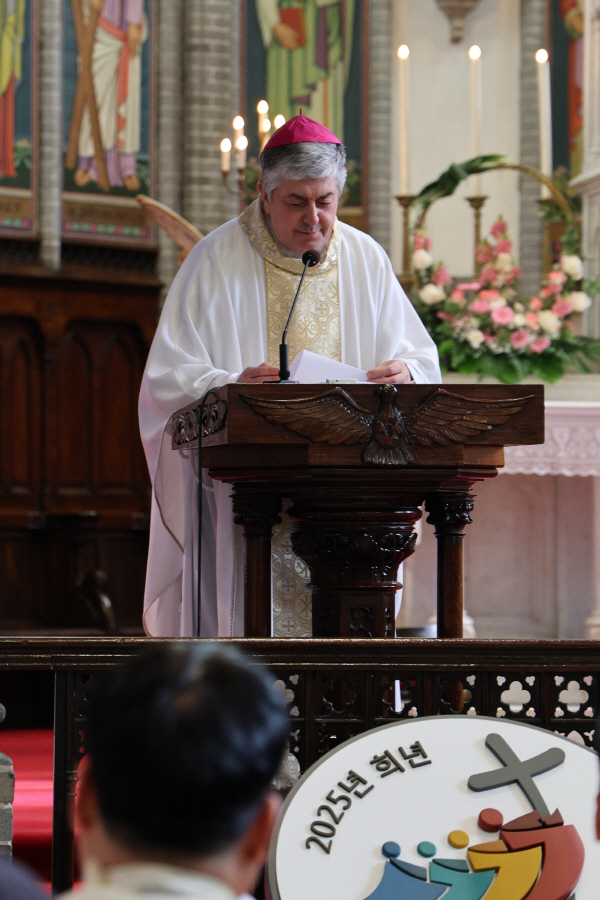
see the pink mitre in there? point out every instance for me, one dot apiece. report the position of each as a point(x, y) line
point(301, 130)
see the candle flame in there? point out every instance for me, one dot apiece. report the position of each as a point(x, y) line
point(279, 121)
point(266, 126)
point(225, 145)
point(474, 52)
point(238, 123)
point(541, 56)
point(242, 142)
point(263, 107)
point(403, 51)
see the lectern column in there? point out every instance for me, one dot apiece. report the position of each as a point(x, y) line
point(450, 514)
point(257, 513)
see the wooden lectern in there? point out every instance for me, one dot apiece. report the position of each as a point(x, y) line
point(357, 462)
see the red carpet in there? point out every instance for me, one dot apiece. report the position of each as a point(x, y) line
point(32, 753)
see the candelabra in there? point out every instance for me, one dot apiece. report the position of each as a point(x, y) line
point(476, 204)
point(407, 279)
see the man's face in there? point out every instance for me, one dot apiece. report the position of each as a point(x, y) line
point(302, 213)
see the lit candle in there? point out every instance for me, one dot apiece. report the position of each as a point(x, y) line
point(262, 110)
point(225, 155)
point(240, 152)
point(279, 121)
point(403, 56)
point(266, 127)
point(475, 57)
point(238, 127)
point(545, 115)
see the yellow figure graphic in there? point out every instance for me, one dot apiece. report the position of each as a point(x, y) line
point(12, 33)
point(517, 872)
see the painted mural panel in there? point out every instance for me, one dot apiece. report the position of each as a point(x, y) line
point(108, 124)
point(17, 117)
point(310, 55)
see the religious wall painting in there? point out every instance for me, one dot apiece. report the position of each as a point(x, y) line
point(18, 117)
point(567, 84)
point(108, 90)
point(311, 55)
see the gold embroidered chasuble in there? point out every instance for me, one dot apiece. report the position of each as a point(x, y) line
point(315, 326)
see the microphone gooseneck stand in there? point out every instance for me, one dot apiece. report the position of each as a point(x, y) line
point(310, 258)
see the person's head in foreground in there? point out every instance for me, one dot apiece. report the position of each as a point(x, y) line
point(303, 175)
point(184, 743)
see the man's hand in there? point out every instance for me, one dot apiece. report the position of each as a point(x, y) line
point(394, 371)
point(134, 38)
point(287, 36)
point(258, 374)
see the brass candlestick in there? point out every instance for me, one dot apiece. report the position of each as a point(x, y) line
point(407, 279)
point(476, 204)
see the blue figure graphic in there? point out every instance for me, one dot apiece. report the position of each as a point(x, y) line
point(403, 881)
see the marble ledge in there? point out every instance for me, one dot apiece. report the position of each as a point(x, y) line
point(572, 445)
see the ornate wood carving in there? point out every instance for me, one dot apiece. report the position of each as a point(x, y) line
point(450, 514)
point(352, 556)
point(391, 436)
point(185, 423)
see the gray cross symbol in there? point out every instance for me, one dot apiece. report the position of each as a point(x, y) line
point(516, 771)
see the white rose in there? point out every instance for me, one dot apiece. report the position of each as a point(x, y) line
point(549, 321)
point(572, 266)
point(579, 301)
point(421, 259)
point(519, 320)
point(497, 301)
point(518, 306)
point(504, 262)
point(475, 337)
point(431, 293)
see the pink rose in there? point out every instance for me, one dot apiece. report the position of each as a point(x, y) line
point(489, 274)
point(489, 295)
point(532, 321)
point(520, 339)
point(457, 296)
point(546, 292)
point(427, 243)
point(556, 277)
point(488, 337)
point(441, 276)
point(502, 315)
point(535, 303)
point(468, 286)
point(484, 253)
point(562, 307)
point(419, 242)
point(479, 306)
point(499, 228)
point(515, 272)
point(503, 245)
point(539, 345)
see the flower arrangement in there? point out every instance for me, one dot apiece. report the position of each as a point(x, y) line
point(485, 327)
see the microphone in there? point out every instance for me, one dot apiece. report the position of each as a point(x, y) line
point(310, 258)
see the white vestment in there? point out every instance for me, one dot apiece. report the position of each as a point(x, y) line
point(213, 326)
point(149, 880)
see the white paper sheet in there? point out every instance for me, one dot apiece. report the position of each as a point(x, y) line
point(312, 368)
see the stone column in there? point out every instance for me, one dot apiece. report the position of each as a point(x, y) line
point(170, 127)
point(210, 100)
point(7, 793)
point(533, 36)
point(380, 138)
point(592, 626)
point(51, 131)
point(588, 183)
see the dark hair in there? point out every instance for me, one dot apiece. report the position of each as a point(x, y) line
point(184, 742)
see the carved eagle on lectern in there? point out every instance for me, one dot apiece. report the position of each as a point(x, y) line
point(335, 418)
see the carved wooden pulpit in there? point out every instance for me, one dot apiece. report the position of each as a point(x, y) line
point(358, 462)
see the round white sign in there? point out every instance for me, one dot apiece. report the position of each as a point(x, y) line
point(449, 807)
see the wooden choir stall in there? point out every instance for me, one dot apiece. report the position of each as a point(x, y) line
point(358, 462)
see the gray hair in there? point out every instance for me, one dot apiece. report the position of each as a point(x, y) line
point(296, 162)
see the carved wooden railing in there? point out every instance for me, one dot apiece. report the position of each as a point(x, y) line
point(336, 689)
